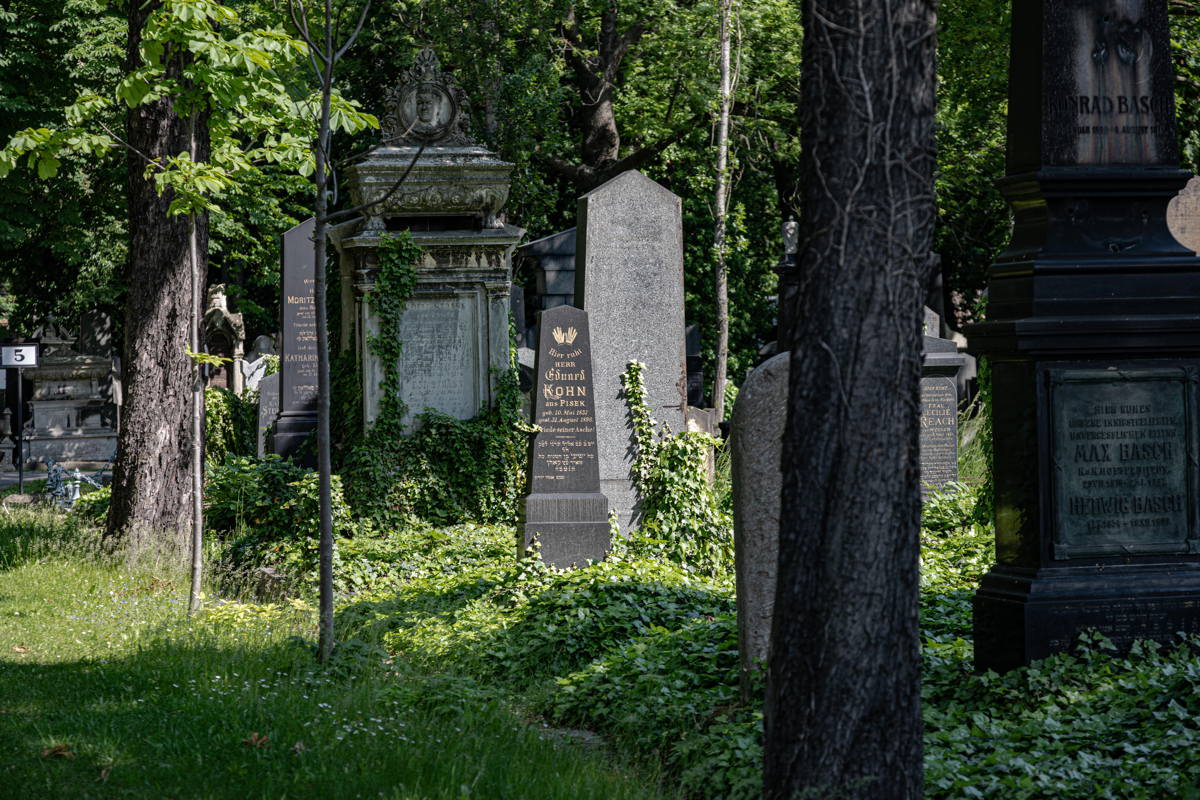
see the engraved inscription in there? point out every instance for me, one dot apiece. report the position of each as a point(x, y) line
point(300, 332)
point(439, 360)
point(1123, 462)
point(1113, 112)
point(939, 432)
point(564, 450)
point(298, 355)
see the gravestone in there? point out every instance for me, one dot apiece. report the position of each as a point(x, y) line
point(254, 366)
point(940, 364)
point(756, 447)
point(565, 511)
point(629, 278)
point(454, 327)
point(268, 409)
point(552, 262)
point(72, 397)
point(695, 368)
point(1183, 216)
point(224, 336)
point(298, 346)
point(1093, 339)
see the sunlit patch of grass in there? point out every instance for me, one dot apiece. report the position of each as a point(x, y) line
point(108, 689)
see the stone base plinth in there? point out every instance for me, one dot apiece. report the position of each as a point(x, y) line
point(73, 449)
point(571, 529)
point(1023, 615)
point(292, 431)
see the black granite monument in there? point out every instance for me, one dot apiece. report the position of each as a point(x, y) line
point(1093, 334)
point(298, 353)
point(565, 511)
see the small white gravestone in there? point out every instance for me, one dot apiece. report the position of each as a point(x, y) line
point(1183, 215)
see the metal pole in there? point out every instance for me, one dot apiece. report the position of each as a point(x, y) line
point(20, 433)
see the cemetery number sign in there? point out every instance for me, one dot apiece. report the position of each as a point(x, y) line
point(19, 356)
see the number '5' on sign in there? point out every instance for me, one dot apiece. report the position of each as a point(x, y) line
point(19, 355)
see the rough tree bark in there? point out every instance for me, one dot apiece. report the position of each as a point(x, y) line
point(843, 704)
point(152, 475)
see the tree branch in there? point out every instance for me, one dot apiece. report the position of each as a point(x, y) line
point(350, 212)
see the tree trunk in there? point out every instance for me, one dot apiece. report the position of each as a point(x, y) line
point(152, 475)
point(843, 716)
point(722, 206)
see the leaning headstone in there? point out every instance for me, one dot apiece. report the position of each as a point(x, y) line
point(940, 364)
point(1183, 216)
point(268, 409)
point(565, 511)
point(756, 442)
point(298, 353)
point(629, 278)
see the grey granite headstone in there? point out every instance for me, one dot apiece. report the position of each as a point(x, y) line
point(629, 278)
point(565, 511)
point(268, 409)
point(940, 364)
point(1183, 216)
point(298, 351)
point(756, 442)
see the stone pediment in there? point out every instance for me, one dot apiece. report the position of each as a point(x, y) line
point(427, 142)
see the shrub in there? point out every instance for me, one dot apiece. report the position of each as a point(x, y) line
point(93, 506)
point(230, 426)
point(682, 517)
point(267, 511)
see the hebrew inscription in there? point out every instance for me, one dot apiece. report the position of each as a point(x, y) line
point(1124, 461)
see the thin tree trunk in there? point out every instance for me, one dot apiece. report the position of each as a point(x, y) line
point(197, 427)
point(722, 208)
point(151, 478)
point(324, 461)
point(843, 717)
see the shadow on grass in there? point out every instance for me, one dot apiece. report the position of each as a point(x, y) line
point(203, 718)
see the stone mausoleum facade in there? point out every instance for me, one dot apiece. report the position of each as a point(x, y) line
point(455, 328)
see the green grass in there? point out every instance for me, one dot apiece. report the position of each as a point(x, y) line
point(108, 690)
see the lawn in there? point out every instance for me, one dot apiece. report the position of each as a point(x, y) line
point(107, 689)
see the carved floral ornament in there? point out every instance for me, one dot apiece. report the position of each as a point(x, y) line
point(427, 107)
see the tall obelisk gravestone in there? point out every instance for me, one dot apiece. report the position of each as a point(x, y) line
point(1094, 340)
point(298, 353)
point(565, 511)
point(629, 278)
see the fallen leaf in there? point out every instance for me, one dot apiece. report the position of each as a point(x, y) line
point(298, 747)
point(104, 775)
point(254, 740)
point(20, 648)
point(58, 751)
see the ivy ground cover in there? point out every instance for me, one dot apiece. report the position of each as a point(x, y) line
point(644, 651)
